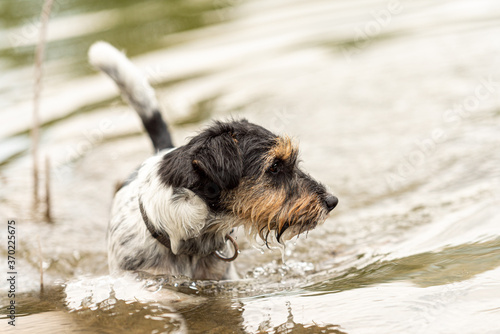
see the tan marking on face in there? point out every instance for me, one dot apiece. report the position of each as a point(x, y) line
point(264, 208)
point(284, 149)
point(304, 206)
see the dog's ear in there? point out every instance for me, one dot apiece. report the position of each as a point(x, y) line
point(219, 159)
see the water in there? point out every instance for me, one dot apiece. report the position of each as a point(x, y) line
point(397, 109)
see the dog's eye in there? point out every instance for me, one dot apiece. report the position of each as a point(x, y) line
point(275, 168)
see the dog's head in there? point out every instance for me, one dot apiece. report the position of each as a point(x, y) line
point(241, 169)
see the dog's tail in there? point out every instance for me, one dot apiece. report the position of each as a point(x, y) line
point(135, 90)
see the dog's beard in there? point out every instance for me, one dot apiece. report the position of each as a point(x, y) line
point(274, 212)
point(272, 236)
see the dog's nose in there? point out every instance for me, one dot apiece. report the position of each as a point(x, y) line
point(331, 202)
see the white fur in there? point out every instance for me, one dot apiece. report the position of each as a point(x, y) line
point(131, 81)
point(182, 219)
point(125, 215)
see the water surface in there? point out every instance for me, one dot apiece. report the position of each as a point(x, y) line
point(397, 109)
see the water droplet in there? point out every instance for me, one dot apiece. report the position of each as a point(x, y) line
point(283, 254)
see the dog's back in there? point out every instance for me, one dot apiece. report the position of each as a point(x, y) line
point(135, 90)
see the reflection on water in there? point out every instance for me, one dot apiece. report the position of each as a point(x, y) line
point(397, 110)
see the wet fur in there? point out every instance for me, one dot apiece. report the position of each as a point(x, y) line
point(231, 174)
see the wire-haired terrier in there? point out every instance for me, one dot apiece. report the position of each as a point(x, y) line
point(177, 212)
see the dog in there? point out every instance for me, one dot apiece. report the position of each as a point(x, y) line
point(176, 214)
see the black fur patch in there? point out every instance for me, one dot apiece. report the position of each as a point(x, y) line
point(217, 159)
point(158, 131)
point(133, 263)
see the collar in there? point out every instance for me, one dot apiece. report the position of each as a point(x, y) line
point(164, 239)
